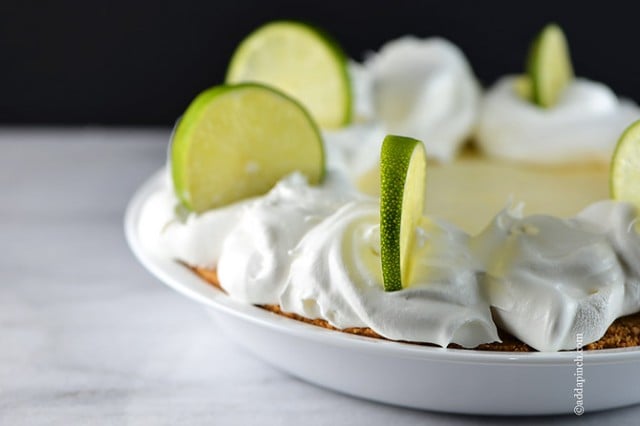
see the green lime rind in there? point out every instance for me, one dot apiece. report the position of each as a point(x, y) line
point(277, 73)
point(402, 191)
point(183, 127)
point(624, 173)
point(236, 141)
point(341, 57)
point(549, 66)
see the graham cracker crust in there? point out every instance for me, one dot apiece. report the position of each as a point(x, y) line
point(624, 332)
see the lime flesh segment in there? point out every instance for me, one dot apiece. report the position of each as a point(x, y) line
point(549, 66)
point(403, 168)
point(624, 177)
point(302, 62)
point(235, 142)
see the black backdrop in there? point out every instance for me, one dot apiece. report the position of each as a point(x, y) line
point(139, 63)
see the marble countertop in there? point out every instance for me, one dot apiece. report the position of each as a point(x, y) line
point(88, 337)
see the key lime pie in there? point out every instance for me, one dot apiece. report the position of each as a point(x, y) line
point(300, 186)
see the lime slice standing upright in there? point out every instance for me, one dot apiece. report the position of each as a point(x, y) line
point(403, 167)
point(624, 173)
point(303, 62)
point(549, 66)
point(237, 141)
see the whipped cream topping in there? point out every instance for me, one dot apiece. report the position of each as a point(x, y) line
point(549, 279)
point(584, 126)
point(336, 275)
point(422, 88)
point(315, 251)
point(425, 89)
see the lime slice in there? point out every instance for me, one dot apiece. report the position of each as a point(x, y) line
point(549, 66)
point(301, 61)
point(403, 168)
point(624, 174)
point(237, 141)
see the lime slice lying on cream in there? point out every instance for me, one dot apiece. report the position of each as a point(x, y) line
point(301, 61)
point(624, 178)
point(549, 66)
point(237, 141)
point(403, 168)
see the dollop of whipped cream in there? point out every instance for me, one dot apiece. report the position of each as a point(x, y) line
point(422, 88)
point(583, 126)
point(315, 251)
point(550, 279)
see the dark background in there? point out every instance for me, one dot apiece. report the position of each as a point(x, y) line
point(140, 63)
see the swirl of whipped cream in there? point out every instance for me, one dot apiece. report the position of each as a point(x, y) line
point(195, 240)
point(617, 220)
point(584, 126)
point(425, 89)
point(256, 255)
point(412, 87)
point(550, 279)
point(336, 275)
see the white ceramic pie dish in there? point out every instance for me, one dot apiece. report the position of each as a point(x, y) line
point(430, 378)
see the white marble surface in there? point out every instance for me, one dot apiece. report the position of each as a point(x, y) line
point(88, 337)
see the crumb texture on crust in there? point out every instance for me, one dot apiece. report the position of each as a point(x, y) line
point(623, 333)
